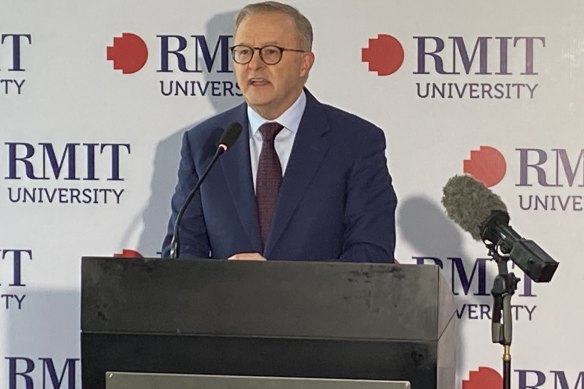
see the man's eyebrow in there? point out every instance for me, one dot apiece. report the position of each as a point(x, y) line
point(269, 43)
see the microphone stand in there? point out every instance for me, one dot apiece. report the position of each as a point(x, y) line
point(504, 287)
point(174, 243)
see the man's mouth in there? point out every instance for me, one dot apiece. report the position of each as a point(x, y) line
point(258, 81)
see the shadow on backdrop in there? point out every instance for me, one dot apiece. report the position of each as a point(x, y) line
point(426, 228)
point(164, 176)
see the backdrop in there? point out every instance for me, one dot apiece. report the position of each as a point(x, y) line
point(95, 95)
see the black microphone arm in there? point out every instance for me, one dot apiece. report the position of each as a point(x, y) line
point(228, 138)
point(526, 254)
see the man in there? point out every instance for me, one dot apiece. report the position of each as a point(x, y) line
point(335, 200)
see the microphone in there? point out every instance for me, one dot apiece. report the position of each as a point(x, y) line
point(229, 136)
point(227, 139)
point(483, 214)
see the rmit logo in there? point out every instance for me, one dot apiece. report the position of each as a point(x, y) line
point(129, 53)
point(26, 373)
point(75, 161)
point(488, 378)
point(11, 51)
point(551, 168)
point(466, 281)
point(195, 54)
point(485, 55)
point(483, 378)
point(384, 54)
point(11, 266)
point(486, 165)
point(186, 54)
point(541, 167)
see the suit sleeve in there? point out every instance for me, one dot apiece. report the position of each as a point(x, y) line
point(194, 241)
point(370, 205)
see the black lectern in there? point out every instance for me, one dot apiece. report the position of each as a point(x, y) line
point(274, 318)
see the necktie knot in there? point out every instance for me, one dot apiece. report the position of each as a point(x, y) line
point(270, 130)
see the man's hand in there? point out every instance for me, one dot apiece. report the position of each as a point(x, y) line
point(247, 257)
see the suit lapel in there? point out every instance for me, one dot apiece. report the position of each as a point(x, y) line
point(237, 170)
point(310, 147)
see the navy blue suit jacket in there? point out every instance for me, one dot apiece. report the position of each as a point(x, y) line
point(336, 201)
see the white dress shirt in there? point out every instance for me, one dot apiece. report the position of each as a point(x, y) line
point(284, 141)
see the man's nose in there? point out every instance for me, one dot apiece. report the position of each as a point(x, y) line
point(256, 61)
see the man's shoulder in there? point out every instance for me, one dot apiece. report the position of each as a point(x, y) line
point(349, 118)
point(346, 121)
point(349, 125)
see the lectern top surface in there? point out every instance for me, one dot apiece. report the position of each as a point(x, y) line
point(124, 380)
point(309, 300)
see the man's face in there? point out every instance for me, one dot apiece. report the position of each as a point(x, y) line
point(271, 89)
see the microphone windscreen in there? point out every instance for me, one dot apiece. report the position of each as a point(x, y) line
point(469, 203)
point(230, 135)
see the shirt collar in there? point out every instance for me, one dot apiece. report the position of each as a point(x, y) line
point(290, 119)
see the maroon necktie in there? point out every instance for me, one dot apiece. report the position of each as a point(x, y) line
point(269, 178)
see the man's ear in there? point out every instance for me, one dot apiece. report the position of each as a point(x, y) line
point(307, 62)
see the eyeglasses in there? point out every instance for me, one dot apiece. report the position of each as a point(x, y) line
point(270, 54)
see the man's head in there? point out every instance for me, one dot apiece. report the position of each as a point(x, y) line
point(272, 84)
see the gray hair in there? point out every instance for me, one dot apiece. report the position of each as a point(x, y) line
point(302, 23)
